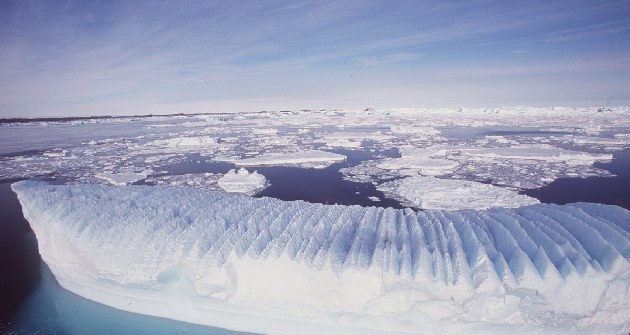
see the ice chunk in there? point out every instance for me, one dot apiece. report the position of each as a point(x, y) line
point(122, 178)
point(185, 142)
point(199, 180)
point(414, 130)
point(417, 160)
point(538, 152)
point(275, 267)
point(243, 182)
point(342, 143)
point(307, 158)
point(436, 193)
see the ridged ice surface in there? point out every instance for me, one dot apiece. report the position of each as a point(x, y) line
point(204, 256)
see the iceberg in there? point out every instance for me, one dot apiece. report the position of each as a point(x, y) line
point(242, 181)
point(269, 266)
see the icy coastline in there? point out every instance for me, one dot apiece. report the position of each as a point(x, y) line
point(276, 267)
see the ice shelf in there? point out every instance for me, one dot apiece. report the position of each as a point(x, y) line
point(276, 267)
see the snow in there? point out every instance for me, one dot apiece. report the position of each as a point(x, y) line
point(537, 152)
point(275, 267)
point(342, 143)
point(197, 180)
point(414, 130)
point(185, 142)
point(243, 182)
point(308, 158)
point(505, 162)
point(435, 193)
point(519, 147)
point(123, 178)
point(419, 161)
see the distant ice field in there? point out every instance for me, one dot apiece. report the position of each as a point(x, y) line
point(509, 149)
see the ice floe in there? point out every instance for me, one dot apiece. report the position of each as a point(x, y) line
point(418, 161)
point(523, 166)
point(276, 267)
point(436, 193)
point(545, 153)
point(517, 147)
point(198, 180)
point(242, 181)
point(185, 142)
point(123, 178)
point(308, 158)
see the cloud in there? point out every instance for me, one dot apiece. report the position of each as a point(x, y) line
point(401, 57)
point(120, 56)
point(589, 31)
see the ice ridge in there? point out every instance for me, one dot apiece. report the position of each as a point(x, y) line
point(567, 261)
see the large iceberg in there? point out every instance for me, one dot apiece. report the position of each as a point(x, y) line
point(271, 266)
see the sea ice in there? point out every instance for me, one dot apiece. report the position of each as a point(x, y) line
point(275, 267)
point(123, 178)
point(418, 161)
point(523, 166)
point(307, 158)
point(131, 144)
point(242, 181)
point(415, 130)
point(185, 142)
point(536, 152)
point(199, 180)
point(436, 193)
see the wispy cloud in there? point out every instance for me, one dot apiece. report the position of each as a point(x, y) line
point(400, 57)
point(119, 56)
point(589, 31)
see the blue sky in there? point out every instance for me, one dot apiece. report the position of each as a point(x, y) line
point(132, 57)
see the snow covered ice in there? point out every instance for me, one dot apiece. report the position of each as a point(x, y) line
point(310, 158)
point(535, 146)
point(270, 266)
point(435, 193)
point(242, 181)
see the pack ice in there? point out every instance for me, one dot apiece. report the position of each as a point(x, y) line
point(270, 266)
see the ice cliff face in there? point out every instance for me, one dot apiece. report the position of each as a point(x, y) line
point(270, 266)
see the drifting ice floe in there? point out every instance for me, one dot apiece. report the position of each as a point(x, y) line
point(243, 182)
point(276, 267)
point(185, 142)
point(123, 178)
point(436, 193)
point(308, 158)
point(198, 180)
point(418, 161)
point(545, 153)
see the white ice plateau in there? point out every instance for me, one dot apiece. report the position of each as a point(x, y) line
point(276, 267)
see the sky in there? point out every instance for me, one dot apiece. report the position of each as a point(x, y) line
point(79, 58)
